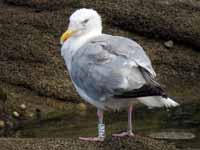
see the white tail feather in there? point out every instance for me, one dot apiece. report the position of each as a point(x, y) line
point(157, 101)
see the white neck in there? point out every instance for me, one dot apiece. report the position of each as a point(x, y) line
point(71, 46)
point(77, 42)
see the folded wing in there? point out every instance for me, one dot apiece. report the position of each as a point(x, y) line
point(113, 66)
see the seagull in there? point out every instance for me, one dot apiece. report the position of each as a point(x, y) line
point(109, 72)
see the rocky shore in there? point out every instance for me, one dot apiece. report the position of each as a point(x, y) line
point(32, 72)
point(139, 143)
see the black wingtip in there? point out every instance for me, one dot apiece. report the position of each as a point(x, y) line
point(144, 91)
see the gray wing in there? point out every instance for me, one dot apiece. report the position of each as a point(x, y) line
point(127, 48)
point(110, 65)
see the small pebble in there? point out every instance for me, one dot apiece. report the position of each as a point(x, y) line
point(31, 115)
point(23, 107)
point(169, 44)
point(81, 107)
point(16, 114)
point(2, 124)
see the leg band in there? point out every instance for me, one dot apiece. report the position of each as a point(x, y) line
point(101, 130)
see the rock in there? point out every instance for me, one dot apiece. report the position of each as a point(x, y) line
point(81, 107)
point(2, 124)
point(16, 114)
point(31, 115)
point(173, 135)
point(23, 107)
point(40, 5)
point(169, 44)
point(36, 65)
point(153, 18)
point(138, 143)
point(177, 19)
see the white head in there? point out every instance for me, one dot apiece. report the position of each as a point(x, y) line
point(82, 22)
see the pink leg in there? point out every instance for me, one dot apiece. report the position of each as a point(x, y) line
point(101, 135)
point(129, 132)
point(91, 139)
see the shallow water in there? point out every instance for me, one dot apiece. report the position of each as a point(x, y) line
point(84, 123)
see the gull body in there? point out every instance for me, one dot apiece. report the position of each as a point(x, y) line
point(109, 72)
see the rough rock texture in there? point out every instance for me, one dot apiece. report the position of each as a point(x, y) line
point(168, 19)
point(40, 5)
point(29, 53)
point(176, 20)
point(139, 143)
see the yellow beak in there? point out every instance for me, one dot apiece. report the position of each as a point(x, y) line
point(66, 35)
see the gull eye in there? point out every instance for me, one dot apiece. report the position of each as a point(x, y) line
point(85, 21)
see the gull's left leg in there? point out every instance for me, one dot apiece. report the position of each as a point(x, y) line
point(101, 129)
point(129, 132)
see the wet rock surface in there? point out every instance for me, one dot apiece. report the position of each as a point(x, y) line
point(187, 115)
point(62, 144)
point(173, 135)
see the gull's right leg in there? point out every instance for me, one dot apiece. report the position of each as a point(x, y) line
point(101, 129)
point(129, 132)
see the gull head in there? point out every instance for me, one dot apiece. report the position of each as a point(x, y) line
point(82, 22)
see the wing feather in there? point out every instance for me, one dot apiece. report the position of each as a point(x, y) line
point(108, 66)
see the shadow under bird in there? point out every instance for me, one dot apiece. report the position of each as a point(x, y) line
point(109, 72)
